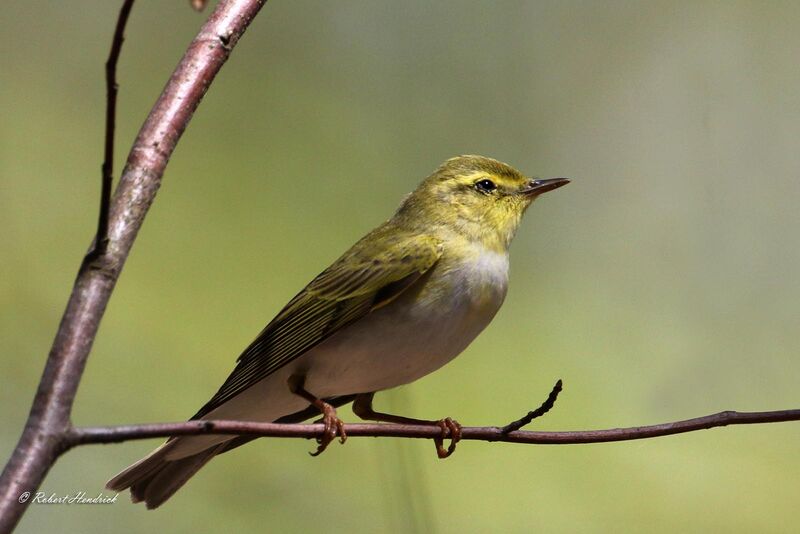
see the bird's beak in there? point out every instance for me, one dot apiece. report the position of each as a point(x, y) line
point(537, 187)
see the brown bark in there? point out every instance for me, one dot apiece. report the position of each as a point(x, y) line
point(48, 424)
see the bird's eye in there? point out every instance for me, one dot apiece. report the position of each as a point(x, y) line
point(485, 186)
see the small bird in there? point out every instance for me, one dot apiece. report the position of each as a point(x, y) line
point(403, 301)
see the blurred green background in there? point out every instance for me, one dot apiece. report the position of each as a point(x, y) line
point(661, 284)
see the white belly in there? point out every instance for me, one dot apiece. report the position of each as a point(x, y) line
point(401, 342)
point(426, 327)
point(423, 329)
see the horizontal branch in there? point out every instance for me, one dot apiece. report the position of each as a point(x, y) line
point(115, 434)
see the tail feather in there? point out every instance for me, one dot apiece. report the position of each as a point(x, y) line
point(154, 479)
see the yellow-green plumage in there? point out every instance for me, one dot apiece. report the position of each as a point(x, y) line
point(374, 271)
point(403, 301)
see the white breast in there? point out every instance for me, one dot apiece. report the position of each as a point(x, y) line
point(486, 276)
point(416, 334)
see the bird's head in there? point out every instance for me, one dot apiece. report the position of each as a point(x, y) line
point(478, 197)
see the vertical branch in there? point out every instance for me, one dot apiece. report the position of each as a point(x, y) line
point(45, 435)
point(101, 240)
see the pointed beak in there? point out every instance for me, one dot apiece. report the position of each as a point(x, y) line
point(537, 187)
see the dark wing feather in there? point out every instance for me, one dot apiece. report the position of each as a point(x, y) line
point(364, 278)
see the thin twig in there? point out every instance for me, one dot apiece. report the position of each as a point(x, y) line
point(44, 438)
point(546, 406)
point(107, 169)
point(116, 434)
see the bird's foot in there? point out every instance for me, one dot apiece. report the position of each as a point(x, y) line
point(333, 427)
point(362, 407)
point(452, 429)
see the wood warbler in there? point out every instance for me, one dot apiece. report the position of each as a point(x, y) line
point(403, 301)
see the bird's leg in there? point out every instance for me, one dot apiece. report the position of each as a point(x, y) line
point(333, 425)
point(362, 407)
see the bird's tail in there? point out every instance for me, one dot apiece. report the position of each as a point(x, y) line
point(154, 478)
point(157, 476)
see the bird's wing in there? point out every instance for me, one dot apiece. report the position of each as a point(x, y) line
point(365, 278)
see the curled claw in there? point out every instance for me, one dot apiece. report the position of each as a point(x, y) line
point(362, 407)
point(333, 426)
point(451, 427)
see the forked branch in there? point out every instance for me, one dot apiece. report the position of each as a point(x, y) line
point(44, 438)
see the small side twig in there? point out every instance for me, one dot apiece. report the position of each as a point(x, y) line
point(107, 169)
point(546, 406)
